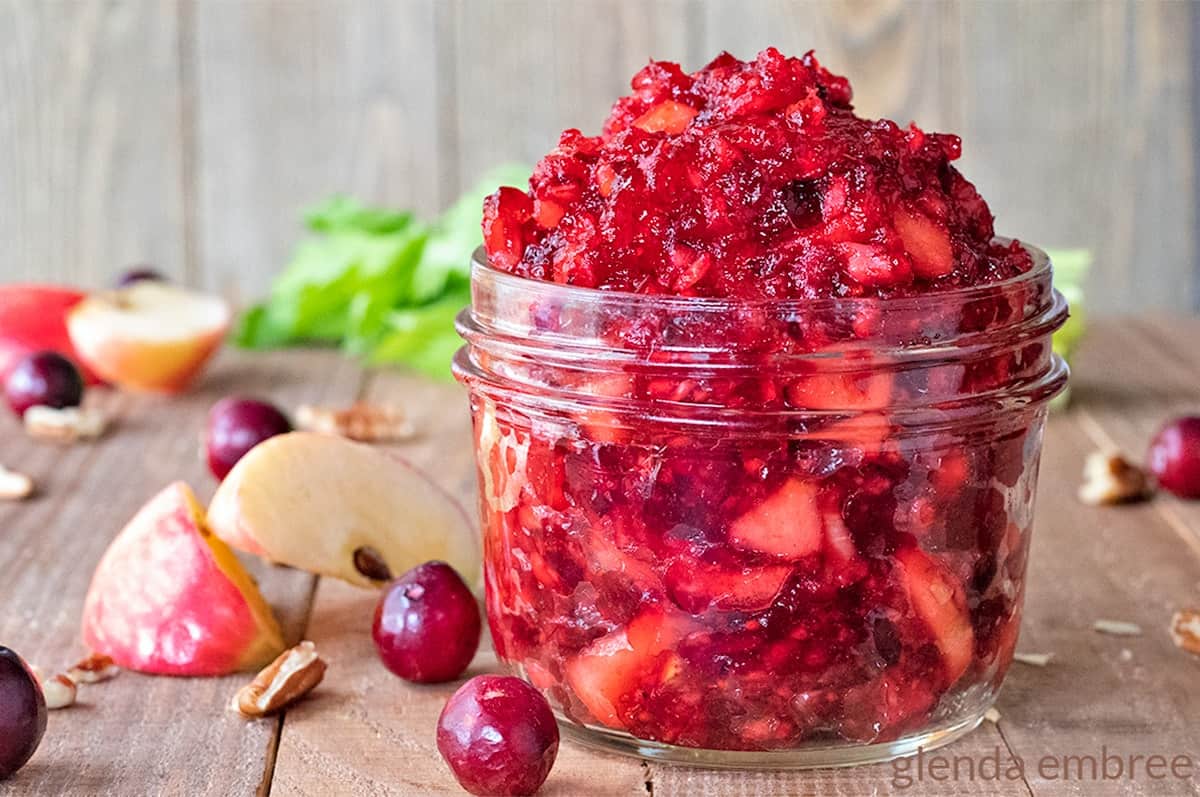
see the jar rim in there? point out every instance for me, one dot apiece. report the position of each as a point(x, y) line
point(1042, 266)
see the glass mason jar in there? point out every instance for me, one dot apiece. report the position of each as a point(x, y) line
point(759, 533)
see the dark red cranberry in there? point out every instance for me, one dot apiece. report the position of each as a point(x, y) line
point(139, 274)
point(22, 713)
point(45, 378)
point(498, 735)
point(1174, 456)
point(427, 625)
point(236, 425)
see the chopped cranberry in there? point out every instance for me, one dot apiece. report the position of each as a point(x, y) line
point(427, 624)
point(759, 175)
point(498, 735)
point(1174, 456)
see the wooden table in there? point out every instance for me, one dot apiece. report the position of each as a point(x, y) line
point(365, 732)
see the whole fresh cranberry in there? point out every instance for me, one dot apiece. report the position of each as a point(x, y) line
point(44, 378)
point(1174, 456)
point(427, 625)
point(22, 713)
point(139, 274)
point(236, 425)
point(498, 735)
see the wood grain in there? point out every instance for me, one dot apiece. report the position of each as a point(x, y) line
point(300, 99)
point(1088, 564)
point(137, 734)
point(192, 134)
point(560, 65)
point(384, 744)
point(90, 170)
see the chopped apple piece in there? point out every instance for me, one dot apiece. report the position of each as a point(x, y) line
point(331, 506)
point(610, 668)
point(149, 336)
point(170, 598)
point(939, 601)
point(928, 244)
point(668, 116)
point(786, 524)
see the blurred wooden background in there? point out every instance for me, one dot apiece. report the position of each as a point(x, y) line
point(190, 133)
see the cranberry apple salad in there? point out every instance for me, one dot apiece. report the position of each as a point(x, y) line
point(758, 398)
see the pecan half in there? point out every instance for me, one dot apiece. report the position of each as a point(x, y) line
point(14, 486)
point(64, 425)
point(284, 681)
point(59, 692)
point(362, 421)
point(1110, 478)
point(1185, 630)
point(92, 670)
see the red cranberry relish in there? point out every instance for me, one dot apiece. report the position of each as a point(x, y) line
point(852, 576)
point(748, 179)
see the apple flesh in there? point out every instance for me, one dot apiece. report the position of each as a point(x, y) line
point(169, 598)
point(149, 336)
point(33, 318)
point(337, 508)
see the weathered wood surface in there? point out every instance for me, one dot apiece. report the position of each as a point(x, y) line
point(191, 133)
point(366, 732)
point(137, 735)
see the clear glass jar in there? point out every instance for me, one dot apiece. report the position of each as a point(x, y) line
point(759, 533)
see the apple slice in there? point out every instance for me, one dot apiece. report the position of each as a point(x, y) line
point(338, 508)
point(33, 318)
point(149, 336)
point(169, 598)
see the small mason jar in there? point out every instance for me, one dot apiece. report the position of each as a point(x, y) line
point(759, 533)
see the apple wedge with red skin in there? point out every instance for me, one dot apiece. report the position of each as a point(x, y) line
point(338, 508)
point(169, 598)
point(148, 337)
point(33, 318)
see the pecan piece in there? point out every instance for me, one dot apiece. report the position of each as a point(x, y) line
point(1110, 478)
point(284, 681)
point(362, 421)
point(59, 692)
point(93, 669)
point(1185, 630)
point(14, 486)
point(64, 425)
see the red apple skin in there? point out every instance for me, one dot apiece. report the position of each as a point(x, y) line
point(160, 603)
point(32, 319)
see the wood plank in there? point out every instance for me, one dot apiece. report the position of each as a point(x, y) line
point(91, 170)
point(368, 732)
point(528, 69)
point(300, 99)
point(1050, 90)
point(903, 59)
point(138, 734)
point(1091, 563)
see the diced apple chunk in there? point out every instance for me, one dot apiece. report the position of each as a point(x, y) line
point(668, 116)
point(939, 600)
point(698, 586)
point(786, 524)
point(610, 668)
point(928, 244)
